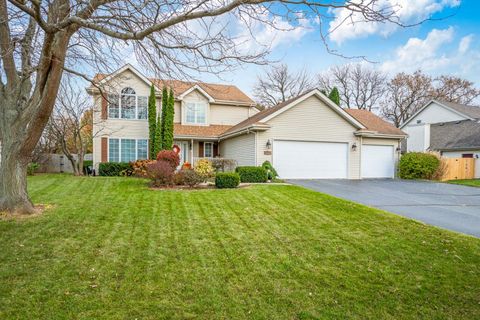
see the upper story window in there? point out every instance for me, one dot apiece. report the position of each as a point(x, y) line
point(127, 105)
point(196, 112)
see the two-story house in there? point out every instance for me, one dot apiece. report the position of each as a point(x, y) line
point(305, 137)
point(452, 129)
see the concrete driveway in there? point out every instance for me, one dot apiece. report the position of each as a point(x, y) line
point(444, 205)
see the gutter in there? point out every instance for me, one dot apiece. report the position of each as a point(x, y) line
point(373, 134)
point(243, 131)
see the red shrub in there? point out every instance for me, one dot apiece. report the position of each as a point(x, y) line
point(161, 173)
point(169, 156)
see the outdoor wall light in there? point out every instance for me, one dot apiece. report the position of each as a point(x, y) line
point(269, 144)
point(398, 149)
point(354, 146)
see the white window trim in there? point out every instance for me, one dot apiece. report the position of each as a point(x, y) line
point(185, 109)
point(119, 102)
point(120, 148)
point(204, 149)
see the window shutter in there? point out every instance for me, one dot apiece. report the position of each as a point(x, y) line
point(200, 149)
point(104, 107)
point(104, 150)
point(215, 149)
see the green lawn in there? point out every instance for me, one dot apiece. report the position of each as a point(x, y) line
point(112, 249)
point(470, 182)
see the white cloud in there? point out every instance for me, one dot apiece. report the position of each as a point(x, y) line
point(253, 33)
point(347, 25)
point(435, 56)
point(465, 44)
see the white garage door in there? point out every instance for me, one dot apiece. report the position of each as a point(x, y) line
point(310, 160)
point(377, 161)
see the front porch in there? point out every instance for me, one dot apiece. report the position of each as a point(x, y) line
point(193, 150)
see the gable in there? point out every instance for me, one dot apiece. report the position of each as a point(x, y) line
point(314, 118)
point(127, 78)
point(435, 113)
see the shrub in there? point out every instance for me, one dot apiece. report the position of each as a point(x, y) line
point(32, 167)
point(204, 169)
point(271, 172)
point(169, 156)
point(223, 165)
point(188, 177)
point(140, 167)
point(112, 169)
point(161, 173)
point(227, 180)
point(418, 165)
point(252, 174)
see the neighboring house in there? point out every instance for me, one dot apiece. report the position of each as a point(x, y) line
point(450, 128)
point(306, 137)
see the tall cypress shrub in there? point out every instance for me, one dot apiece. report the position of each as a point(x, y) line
point(335, 96)
point(152, 121)
point(168, 122)
point(164, 115)
point(158, 137)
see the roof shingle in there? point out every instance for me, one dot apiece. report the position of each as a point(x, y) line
point(455, 135)
point(471, 111)
point(211, 131)
point(373, 122)
point(220, 92)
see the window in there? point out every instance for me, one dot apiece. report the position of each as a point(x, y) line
point(208, 150)
point(127, 105)
point(467, 155)
point(114, 150)
point(196, 112)
point(142, 107)
point(142, 149)
point(113, 107)
point(126, 150)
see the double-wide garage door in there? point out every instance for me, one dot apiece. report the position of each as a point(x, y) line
point(329, 160)
point(310, 160)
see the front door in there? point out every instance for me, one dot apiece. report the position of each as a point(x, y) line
point(183, 152)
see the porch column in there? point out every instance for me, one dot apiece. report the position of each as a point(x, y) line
point(191, 152)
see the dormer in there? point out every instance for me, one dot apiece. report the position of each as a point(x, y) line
point(195, 107)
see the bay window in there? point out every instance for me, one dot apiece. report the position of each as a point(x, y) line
point(196, 112)
point(126, 150)
point(127, 105)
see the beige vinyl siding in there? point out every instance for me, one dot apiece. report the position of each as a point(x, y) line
point(240, 148)
point(311, 120)
point(229, 115)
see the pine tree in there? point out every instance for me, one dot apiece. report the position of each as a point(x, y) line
point(335, 96)
point(164, 115)
point(168, 122)
point(152, 121)
point(158, 137)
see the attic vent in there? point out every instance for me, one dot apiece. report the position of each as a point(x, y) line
point(419, 121)
point(458, 122)
point(442, 124)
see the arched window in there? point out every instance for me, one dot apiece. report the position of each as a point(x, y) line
point(128, 101)
point(127, 105)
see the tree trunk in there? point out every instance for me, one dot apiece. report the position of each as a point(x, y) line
point(13, 180)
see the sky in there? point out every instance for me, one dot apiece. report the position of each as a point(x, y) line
point(449, 43)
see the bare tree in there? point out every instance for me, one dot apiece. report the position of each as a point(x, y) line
point(71, 124)
point(407, 93)
point(360, 87)
point(40, 40)
point(454, 89)
point(279, 84)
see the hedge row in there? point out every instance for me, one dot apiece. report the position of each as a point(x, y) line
point(252, 174)
point(418, 165)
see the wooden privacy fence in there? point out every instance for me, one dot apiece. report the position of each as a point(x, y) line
point(458, 168)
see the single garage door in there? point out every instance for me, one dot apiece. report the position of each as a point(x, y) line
point(377, 161)
point(310, 160)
